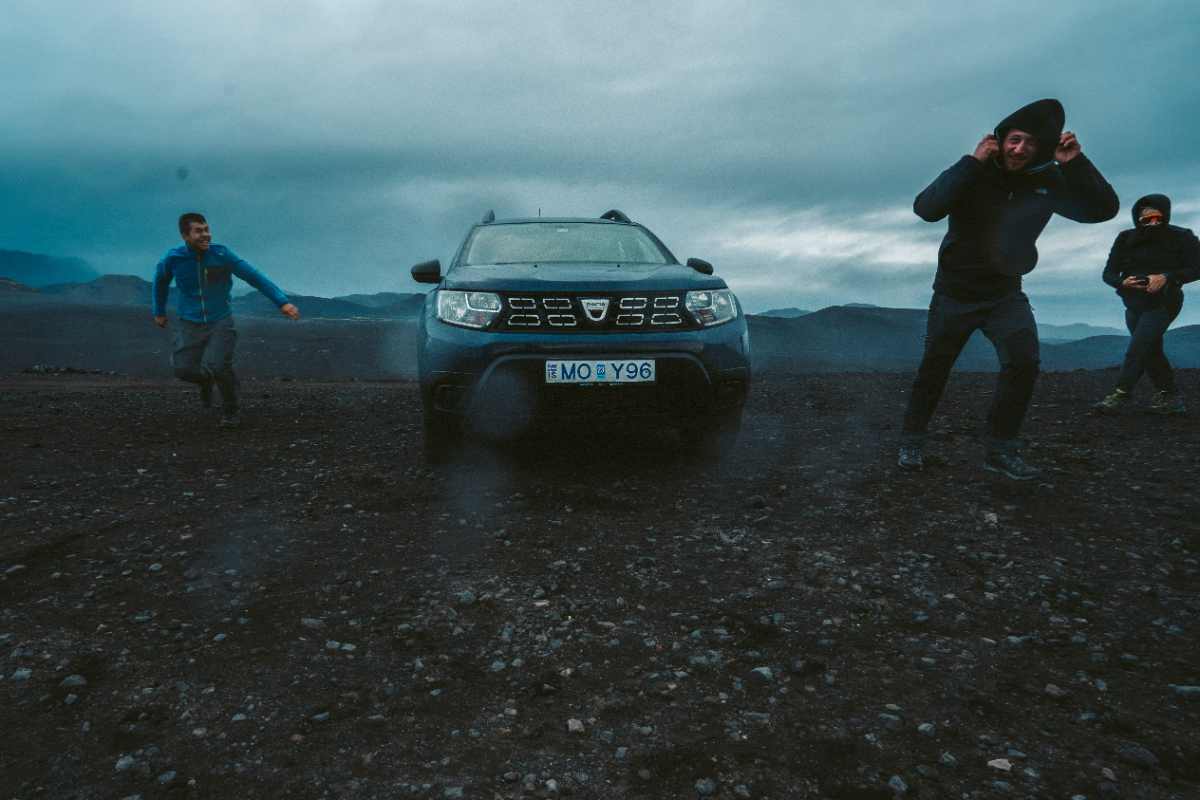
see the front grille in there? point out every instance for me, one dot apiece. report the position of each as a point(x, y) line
point(594, 313)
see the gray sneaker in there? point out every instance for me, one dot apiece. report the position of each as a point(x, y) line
point(911, 457)
point(1113, 403)
point(1167, 403)
point(1011, 465)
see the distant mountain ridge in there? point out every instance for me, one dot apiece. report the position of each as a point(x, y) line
point(37, 270)
point(130, 290)
point(791, 312)
point(852, 338)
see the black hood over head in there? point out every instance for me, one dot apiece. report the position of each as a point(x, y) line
point(1042, 118)
point(1159, 201)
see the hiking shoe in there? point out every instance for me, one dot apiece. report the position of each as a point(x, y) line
point(206, 394)
point(1115, 401)
point(1167, 403)
point(231, 419)
point(1011, 465)
point(911, 457)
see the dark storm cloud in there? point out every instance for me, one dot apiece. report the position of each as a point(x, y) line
point(336, 143)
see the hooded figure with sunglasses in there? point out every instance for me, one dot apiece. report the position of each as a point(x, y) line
point(998, 200)
point(1148, 266)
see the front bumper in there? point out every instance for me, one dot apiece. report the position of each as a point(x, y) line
point(496, 381)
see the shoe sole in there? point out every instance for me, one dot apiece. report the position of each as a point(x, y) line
point(1008, 474)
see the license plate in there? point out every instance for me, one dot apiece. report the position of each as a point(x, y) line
point(607, 370)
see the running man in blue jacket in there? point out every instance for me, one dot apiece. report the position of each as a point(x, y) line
point(204, 343)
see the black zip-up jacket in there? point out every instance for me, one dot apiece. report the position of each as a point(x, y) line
point(1153, 250)
point(996, 216)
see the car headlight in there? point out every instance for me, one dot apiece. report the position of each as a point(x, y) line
point(469, 309)
point(712, 306)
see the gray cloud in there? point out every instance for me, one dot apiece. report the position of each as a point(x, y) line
point(334, 144)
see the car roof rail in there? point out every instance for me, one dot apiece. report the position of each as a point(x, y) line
point(490, 216)
point(615, 216)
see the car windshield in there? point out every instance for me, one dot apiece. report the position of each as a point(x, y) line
point(544, 242)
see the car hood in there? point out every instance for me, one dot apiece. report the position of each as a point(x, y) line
point(579, 277)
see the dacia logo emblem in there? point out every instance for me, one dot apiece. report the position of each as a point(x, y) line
point(596, 308)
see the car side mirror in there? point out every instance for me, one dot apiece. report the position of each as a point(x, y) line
point(698, 264)
point(427, 271)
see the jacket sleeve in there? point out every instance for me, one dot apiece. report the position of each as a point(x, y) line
point(940, 197)
point(244, 270)
point(162, 287)
point(1113, 273)
point(1189, 267)
point(1085, 196)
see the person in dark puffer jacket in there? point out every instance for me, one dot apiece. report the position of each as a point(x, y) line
point(1148, 266)
point(998, 200)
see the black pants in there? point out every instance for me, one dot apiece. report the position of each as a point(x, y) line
point(1145, 354)
point(204, 354)
point(1008, 323)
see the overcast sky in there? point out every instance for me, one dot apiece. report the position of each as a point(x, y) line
point(335, 143)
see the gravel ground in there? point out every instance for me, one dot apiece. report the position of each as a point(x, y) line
point(301, 608)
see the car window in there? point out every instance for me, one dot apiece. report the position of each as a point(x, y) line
point(543, 242)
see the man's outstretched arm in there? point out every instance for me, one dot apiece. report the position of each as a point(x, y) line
point(162, 288)
point(246, 271)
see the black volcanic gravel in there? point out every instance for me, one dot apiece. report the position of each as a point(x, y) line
point(301, 608)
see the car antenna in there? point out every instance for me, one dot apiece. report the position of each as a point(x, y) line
point(539, 212)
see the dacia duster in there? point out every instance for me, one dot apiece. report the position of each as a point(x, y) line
point(544, 320)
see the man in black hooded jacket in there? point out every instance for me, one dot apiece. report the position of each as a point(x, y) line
point(1148, 266)
point(998, 200)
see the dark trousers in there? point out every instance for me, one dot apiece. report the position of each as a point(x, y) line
point(1145, 354)
point(1008, 323)
point(204, 355)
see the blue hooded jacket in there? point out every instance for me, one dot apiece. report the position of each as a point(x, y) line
point(205, 283)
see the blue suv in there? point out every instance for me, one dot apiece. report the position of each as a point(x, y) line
point(541, 321)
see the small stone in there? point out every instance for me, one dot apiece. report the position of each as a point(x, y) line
point(948, 759)
point(220, 637)
point(574, 726)
point(898, 785)
point(706, 787)
point(927, 729)
point(890, 721)
point(71, 699)
point(1138, 756)
point(1002, 764)
point(453, 791)
point(73, 682)
point(155, 567)
point(124, 763)
point(1189, 692)
point(321, 717)
point(1055, 692)
point(312, 622)
point(22, 674)
point(167, 777)
point(763, 674)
